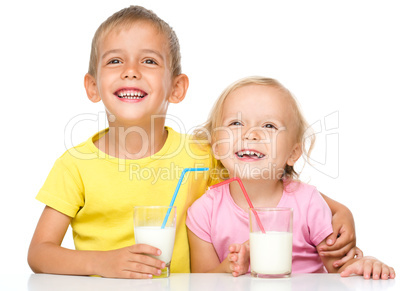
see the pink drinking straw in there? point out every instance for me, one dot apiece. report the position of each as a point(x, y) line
point(245, 195)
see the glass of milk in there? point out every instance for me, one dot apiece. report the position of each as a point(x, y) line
point(148, 230)
point(271, 252)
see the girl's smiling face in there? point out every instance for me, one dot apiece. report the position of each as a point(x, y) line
point(257, 134)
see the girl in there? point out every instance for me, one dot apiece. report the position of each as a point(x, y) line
point(258, 135)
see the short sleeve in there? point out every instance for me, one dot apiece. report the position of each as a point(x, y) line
point(62, 190)
point(319, 218)
point(199, 217)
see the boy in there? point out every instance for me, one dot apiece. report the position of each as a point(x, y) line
point(135, 71)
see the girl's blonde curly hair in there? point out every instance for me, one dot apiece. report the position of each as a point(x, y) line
point(304, 135)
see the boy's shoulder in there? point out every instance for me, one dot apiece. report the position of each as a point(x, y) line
point(178, 146)
point(187, 142)
point(84, 151)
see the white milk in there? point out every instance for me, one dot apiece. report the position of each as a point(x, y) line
point(155, 236)
point(271, 252)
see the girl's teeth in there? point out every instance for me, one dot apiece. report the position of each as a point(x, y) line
point(249, 153)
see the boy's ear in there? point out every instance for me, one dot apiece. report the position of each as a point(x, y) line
point(91, 88)
point(180, 86)
point(295, 155)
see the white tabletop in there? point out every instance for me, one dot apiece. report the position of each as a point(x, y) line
point(195, 282)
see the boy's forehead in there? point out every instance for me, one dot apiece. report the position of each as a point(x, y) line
point(118, 28)
point(152, 40)
point(127, 25)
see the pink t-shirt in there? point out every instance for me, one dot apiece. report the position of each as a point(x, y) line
point(217, 219)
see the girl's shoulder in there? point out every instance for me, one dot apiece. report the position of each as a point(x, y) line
point(212, 199)
point(300, 190)
point(298, 186)
point(217, 194)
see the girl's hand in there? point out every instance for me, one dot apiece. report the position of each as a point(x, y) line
point(369, 266)
point(239, 258)
point(130, 262)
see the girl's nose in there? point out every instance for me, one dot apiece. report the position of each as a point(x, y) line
point(252, 134)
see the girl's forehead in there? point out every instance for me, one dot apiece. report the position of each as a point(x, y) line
point(256, 98)
point(260, 103)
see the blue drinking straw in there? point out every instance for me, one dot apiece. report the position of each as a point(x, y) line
point(177, 190)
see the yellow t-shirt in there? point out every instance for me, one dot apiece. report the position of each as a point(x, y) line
point(99, 192)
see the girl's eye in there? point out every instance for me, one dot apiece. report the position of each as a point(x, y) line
point(150, 62)
point(269, 126)
point(235, 123)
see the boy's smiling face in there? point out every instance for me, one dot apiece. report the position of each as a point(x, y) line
point(134, 78)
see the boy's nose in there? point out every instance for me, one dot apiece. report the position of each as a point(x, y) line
point(131, 73)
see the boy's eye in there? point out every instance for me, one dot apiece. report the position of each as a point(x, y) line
point(150, 62)
point(114, 61)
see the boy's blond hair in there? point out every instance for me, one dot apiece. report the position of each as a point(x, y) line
point(304, 134)
point(125, 18)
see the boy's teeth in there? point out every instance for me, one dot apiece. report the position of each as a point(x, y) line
point(131, 94)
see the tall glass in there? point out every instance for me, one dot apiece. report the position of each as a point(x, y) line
point(271, 252)
point(148, 230)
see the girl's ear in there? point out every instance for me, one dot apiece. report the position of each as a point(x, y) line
point(180, 86)
point(215, 150)
point(295, 155)
point(91, 88)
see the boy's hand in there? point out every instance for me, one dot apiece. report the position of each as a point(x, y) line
point(343, 239)
point(130, 262)
point(354, 253)
point(369, 266)
point(239, 258)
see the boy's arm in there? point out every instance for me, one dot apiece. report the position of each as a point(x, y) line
point(366, 266)
point(203, 256)
point(46, 255)
point(343, 239)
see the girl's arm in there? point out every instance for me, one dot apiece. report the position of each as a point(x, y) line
point(46, 255)
point(343, 239)
point(203, 256)
point(366, 266)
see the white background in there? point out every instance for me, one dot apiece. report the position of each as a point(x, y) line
point(341, 59)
